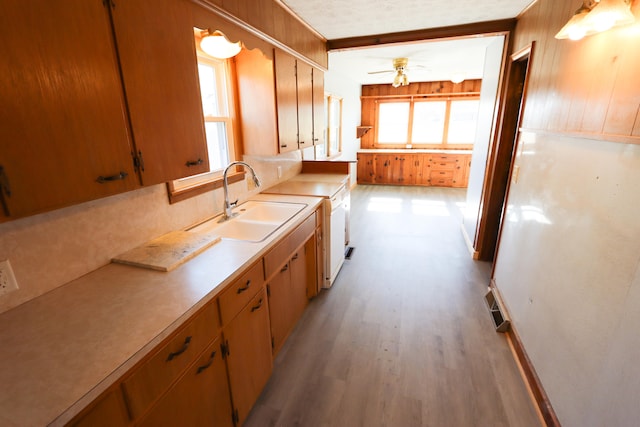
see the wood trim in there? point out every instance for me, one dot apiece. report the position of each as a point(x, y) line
point(195, 190)
point(220, 11)
point(530, 376)
point(300, 20)
point(481, 28)
point(425, 95)
point(616, 139)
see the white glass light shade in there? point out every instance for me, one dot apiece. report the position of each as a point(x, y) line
point(608, 14)
point(457, 77)
point(575, 28)
point(218, 46)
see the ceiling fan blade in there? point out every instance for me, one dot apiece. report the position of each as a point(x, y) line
point(380, 72)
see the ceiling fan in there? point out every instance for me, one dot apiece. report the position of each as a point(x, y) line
point(400, 68)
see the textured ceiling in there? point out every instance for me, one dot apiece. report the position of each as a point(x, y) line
point(428, 61)
point(335, 19)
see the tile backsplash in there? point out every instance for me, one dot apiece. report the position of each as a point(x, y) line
point(51, 249)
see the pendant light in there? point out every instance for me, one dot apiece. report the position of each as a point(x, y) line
point(596, 16)
point(216, 44)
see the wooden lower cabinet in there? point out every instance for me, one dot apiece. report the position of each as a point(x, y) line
point(426, 169)
point(109, 411)
point(200, 398)
point(249, 362)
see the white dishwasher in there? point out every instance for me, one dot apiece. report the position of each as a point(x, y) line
point(335, 217)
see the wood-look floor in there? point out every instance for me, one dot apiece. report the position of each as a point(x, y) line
point(403, 338)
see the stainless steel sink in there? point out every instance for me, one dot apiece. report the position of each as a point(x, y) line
point(254, 220)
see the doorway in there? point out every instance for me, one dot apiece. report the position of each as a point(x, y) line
point(501, 164)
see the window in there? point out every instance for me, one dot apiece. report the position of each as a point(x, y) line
point(427, 121)
point(215, 92)
point(332, 128)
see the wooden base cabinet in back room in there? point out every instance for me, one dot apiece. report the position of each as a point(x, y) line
point(402, 168)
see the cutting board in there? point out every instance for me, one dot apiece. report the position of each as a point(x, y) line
point(169, 251)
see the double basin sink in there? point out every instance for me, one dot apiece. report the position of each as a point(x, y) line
point(253, 221)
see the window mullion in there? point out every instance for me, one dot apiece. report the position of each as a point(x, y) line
point(447, 115)
point(410, 131)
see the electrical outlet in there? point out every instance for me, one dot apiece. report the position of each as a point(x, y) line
point(7, 279)
point(279, 170)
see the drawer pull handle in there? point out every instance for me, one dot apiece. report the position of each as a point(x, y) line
point(285, 268)
point(295, 257)
point(203, 367)
point(175, 354)
point(257, 307)
point(194, 163)
point(245, 287)
point(118, 177)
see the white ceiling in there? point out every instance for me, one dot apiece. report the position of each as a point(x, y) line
point(428, 61)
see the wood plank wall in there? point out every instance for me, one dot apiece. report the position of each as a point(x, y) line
point(588, 87)
point(272, 19)
point(371, 93)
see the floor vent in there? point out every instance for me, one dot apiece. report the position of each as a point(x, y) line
point(348, 252)
point(500, 320)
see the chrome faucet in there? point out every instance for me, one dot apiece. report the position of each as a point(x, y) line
point(228, 206)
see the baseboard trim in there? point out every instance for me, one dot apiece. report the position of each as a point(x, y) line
point(474, 254)
point(540, 397)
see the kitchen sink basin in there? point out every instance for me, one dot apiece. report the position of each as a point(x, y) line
point(254, 220)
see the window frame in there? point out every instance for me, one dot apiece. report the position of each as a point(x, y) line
point(412, 100)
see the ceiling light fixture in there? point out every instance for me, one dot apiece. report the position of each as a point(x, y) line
point(216, 44)
point(596, 16)
point(401, 79)
point(457, 77)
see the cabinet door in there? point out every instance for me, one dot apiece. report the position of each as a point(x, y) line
point(249, 354)
point(422, 169)
point(158, 59)
point(366, 173)
point(300, 269)
point(318, 106)
point(200, 398)
point(110, 411)
point(384, 164)
point(286, 101)
point(63, 114)
point(304, 81)
point(280, 306)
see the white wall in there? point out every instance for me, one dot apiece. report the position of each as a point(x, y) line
point(568, 269)
point(350, 91)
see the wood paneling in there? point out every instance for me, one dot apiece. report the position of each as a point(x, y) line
point(275, 23)
point(586, 87)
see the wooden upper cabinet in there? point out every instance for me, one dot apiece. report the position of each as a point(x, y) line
point(277, 96)
point(286, 101)
point(304, 79)
point(63, 114)
point(318, 107)
point(157, 54)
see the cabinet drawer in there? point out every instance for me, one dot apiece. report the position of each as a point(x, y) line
point(442, 182)
point(280, 254)
point(154, 376)
point(444, 165)
point(238, 294)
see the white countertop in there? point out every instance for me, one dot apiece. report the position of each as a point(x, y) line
point(64, 348)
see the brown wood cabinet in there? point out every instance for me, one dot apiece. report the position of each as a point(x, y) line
point(427, 169)
point(157, 54)
point(283, 119)
point(200, 398)
point(82, 108)
point(109, 411)
point(248, 350)
point(64, 117)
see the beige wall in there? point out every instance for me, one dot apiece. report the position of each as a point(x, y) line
point(48, 250)
point(568, 264)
